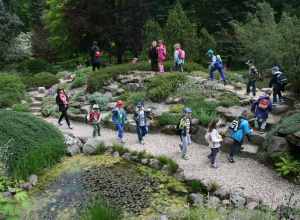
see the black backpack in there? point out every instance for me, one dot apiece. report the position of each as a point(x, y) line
point(282, 80)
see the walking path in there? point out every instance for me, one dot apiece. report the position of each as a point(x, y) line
point(247, 176)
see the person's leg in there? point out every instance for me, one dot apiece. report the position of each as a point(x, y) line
point(275, 96)
point(62, 116)
point(98, 66)
point(211, 72)
point(248, 86)
point(120, 129)
point(213, 155)
point(94, 66)
point(95, 129)
point(235, 146)
point(152, 64)
point(184, 145)
point(67, 119)
point(220, 69)
point(144, 130)
point(98, 128)
point(254, 87)
point(175, 67)
point(180, 67)
point(139, 133)
point(156, 65)
point(280, 95)
point(263, 124)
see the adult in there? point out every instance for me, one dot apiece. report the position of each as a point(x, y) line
point(153, 56)
point(62, 101)
point(215, 64)
point(178, 62)
point(278, 88)
point(95, 56)
point(252, 76)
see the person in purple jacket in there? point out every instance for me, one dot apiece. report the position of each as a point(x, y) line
point(262, 106)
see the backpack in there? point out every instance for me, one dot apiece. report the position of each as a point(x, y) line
point(282, 80)
point(181, 54)
point(177, 129)
point(264, 104)
point(208, 137)
point(219, 58)
point(97, 54)
point(234, 125)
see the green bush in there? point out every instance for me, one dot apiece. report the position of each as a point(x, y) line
point(138, 97)
point(75, 98)
point(176, 109)
point(169, 119)
point(21, 108)
point(34, 66)
point(226, 103)
point(124, 97)
point(78, 82)
point(28, 100)
point(100, 99)
point(229, 96)
point(43, 79)
point(173, 165)
point(9, 98)
point(31, 144)
point(195, 186)
point(163, 160)
point(61, 75)
point(293, 76)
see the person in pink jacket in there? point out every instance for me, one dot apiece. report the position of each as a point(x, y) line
point(162, 51)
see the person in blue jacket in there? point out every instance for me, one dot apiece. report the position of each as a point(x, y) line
point(277, 88)
point(262, 105)
point(215, 65)
point(119, 118)
point(178, 62)
point(238, 136)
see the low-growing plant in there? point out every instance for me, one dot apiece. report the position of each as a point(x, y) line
point(34, 66)
point(138, 97)
point(196, 186)
point(43, 79)
point(9, 98)
point(75, 98)
point(4, 183)
point(21, 108)
point(135, 153)
point(78, 82)
point(226, 103)
point(28, 100)
point(163, 160)
point(288, 166)
point(142, 154)
point(120, 149)
point(167, 118)
point(100, 99)
point(75, 111)
point(101, 149)
point(213, 186)
point(173, 165)
point(107, 118)
point(124, 97)
point(176, 109)
point(61, 75)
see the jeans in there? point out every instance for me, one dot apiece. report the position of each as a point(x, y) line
point(120, 128)
point(186, 140)
point(180, 67)
point(154, 65)
point(96, 128)
point(64, 114)
point(235, 146)
point(249, 84)
point(96, 65)
point(218, 67)
point(275, 93)
point(264, 122)
point(142, 131)
point(213, 154)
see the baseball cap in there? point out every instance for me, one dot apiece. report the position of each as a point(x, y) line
point(139, 104)
point(274, 68)
point(209, 52)
point(187, 110)
point(95, 106)
point(249, 61)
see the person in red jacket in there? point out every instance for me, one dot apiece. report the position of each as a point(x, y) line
point(94, 118)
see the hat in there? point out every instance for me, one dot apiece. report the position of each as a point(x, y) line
point(249, 61)
point(187, 110)
point(95, 106)
point(274, 68)
point(139, 104)
point(209, 52)
point(120, 102)
point(135, 59)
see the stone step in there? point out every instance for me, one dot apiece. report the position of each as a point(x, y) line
point(39, 97)
point(249, 151)
point(36, 114)
point(36, 104)
point(35, 109)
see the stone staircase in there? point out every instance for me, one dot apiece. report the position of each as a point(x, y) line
point(36, 105)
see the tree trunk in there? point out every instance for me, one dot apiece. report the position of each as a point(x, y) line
point(119, 52)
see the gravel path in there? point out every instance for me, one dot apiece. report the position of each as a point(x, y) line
point(246, 176)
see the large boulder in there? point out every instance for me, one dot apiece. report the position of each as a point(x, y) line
point(226, 144)
point(169, 130)
point(222, 193)
point(154, 163)
point(238, 86)
point(237, 200)
point(86, 109)
point(257, 138)
point(279, 109)
point(69, 140)
point(133, 87)
point(199, 137)
point(294, 138)
point(82, 98)
point(109, 95)
point(41, 89)
point(179, 175)
point(232, 112)
point(120, 91)
point(78, 117)
point(166, 169)
point(91, 146)
point(197, 199)
point(112, 88)
point(277, 144)
point(213, 201)
point(73, 150)
point(208, 84)
point(33, 179)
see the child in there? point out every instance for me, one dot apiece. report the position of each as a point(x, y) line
point(161, 55)
point(87, 62)
point(252, 75)
point(185, 127)
point(94, 118)
point(215, 141)
point(277, 88)
point(215, 64)
point(262, 105)
point(178, 62)
point(153, 56)
point(140, 118)
point(119, 117)
point(62, 100)
point(238, 136)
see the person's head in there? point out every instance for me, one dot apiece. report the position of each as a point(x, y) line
point(268, 92)
point(187, 112)
point(60, 90)
point(245, 113)
point(209, 53)
point(177, 46)
point(250, 63)
point(154, 43)
point(140, 106)
point(95, 43)
point(160, 42)
point(120, 103)
point(95, 107)
point(214, 124)
point(274, 69)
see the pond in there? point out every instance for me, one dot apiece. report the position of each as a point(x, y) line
point(63, 192)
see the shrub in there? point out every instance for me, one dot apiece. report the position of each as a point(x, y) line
point(168, 119)
point(43, 79)
point(9, 98)
point(11, 83)
point(195, 186)
point(61, 75)
point(229, 96)
point(226, 103)
point(124, 97)
point(176, 109)
point(75, 98)
point(31, 144)
point(293, 76)
point(21, 108)
point(138, 97)
point(34, 66)
point(100, 99)
point(78, 82)
point(163, 160)
point(28, 100)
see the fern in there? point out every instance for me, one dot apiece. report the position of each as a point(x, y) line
point(288, 165)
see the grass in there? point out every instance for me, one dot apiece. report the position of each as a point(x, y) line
point(74, 111)
point(75, 98)
point(28, 100)
point(142, 154)
point(196, 186)
point(101, 149)
point(21, 108)
point(163, 160)
point(176, 109)
point(226, 103)
point(122, 150)
point(213, 186)
point(107, 118)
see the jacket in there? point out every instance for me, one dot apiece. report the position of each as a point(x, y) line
point(119, 117)
point(260, 113)
point(162, 52)
point(61, 105)
point(176, 58)
point(214, 61)
point(184, 130)
point(274, 80)
point(137, 121)
point(153, 54)
point(92, 115)
point(92, 53)
point(252, 73)
point(215, 139)
point(243, 128)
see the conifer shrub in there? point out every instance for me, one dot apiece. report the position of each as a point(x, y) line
point(100, 99)
point(21, 108)
point(12, 90)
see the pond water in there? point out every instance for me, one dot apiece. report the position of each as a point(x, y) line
point(64, 190)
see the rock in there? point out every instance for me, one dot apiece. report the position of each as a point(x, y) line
point(154, 163)
point(279, 109)
point(222, 193)
point(120, 91)
point(120, 77)
point(196, 199)
point(144, 161)
point(41, 89)
point(127, 156)
point(133, 87)
point(27, 186)
point(213, 201)
point(83, 139)
point(112, 88)
point(82, 98)
point(208, 84)
point(294, 138)
point(199, 137)
point(238, 86)
point(109, 151)
point(251, 214)
point(277, 144)
point(111, 105)
point(109, 95)
point(7, 195)
point(69, 140)
point(179, 175)
point(257, 138)
point(73, 150)
point(11, 190)
point(169, 130)
point(23, 102)
point(252, 205)
point(162, 217)
point(173, 213)
point(210, 100)
point(131, 127)
point(231, 113)
point(169, 100)
point(86, 109)
point(116, 154)
point(135, 158)
point(143, 89)
point(226, 202)
point(222, 210)
point(237, 200)
point(244, 102)
point(177, 100)
point(150, 218)
point(166, 169)
point(136, 79)
point(33, 179)
point(77, 117)
point(91, 146)
point(195, 121)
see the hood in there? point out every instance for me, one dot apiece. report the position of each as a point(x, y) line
point(277, 72)
point(264, 96)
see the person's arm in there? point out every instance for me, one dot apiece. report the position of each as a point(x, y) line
point(99, 119)
point(58, 100)
point(246, 128)
point(182, 123)
point(254, 105)
point(213, 61)
point(215, 136)
point(125, 115)
point(270, 107)
point(135, 117)
point(150, 52)
point(271, 82)
point(91, 52)
point(176, 54)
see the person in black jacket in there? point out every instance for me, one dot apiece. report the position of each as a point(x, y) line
point(153, 56)
point(62, 101)
point(277, 88)
point(95, 59)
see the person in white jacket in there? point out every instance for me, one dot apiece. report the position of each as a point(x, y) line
point(215, 138)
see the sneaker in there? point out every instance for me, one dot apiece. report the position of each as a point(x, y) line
point(185, 157)
point(241, 148)
point(256, 124)
point(214, 166)
point(142, 142)
point(225, 83)
point(262, 131)
point(274, 103)
point(247, 94)
point(70, 127)
point(180, 147)
point(281, 100)
point(122, 140)
point(209, 157)
point(230, 159)
point(60, 123)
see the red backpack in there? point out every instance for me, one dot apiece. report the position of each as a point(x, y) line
point(181, 54)
point(264, 104)
point(97, 54)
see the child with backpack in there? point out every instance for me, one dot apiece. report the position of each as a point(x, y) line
point(162, 51)
point(140, 117)
point(213, 138)
point(252, 76)
point(94, 118)
point(179, 56)
point(215, 64)
point(280, 81)
point(119, 117)
point(184, 128)
point(262, 106)
point(237, 134)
